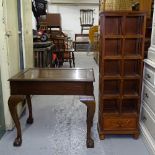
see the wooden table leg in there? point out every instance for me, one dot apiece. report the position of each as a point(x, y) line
point(30, 118)
point(13, 101)
point(90, 103)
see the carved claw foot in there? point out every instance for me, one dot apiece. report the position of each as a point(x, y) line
point(29, 121)
point(102, 136)
point(17, 142)
point(90, 143)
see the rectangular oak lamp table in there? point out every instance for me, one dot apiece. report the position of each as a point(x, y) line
point(45, 81)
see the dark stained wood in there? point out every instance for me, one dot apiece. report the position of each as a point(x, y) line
point(122, 36)
point(81, 39)
point(52, 82)
point(63, 74)
point(52, 88)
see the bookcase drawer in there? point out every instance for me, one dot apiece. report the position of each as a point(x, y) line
point(149, 75)
point(149, 97)
point(148, 121)
point(120, 123)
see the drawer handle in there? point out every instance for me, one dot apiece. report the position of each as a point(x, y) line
point(146, 95)
point(144, 118)
point(148, 76)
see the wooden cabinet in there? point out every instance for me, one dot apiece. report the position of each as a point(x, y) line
point(147, 122)
point(122, 36)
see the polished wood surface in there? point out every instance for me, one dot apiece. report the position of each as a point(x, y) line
point(47, 74)
point(41, 81)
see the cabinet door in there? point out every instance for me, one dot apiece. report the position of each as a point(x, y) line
point(2, 122)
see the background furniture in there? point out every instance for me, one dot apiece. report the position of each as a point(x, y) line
point(52, 82)
point(86, 19)
point(122, 36)
point(94, 42)
point(42, 52)
point(51, 20)
point(63, 52)
point(80, 41)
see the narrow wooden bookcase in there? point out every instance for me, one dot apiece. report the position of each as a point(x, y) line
point(122, 36)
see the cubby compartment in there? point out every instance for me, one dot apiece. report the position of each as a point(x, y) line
point(111, 106)
point(116, 28)
point(131, 87)
point(111, 87)
point(133, 47)
point(132, 67)
point(113, 47)
point(130, 105)
point(112, 67)
point(134, 25)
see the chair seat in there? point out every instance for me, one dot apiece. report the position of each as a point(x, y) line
point(89, 25)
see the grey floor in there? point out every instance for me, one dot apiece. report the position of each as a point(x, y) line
point(60, 127)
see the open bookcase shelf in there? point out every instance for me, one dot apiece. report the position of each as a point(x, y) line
point(116, 29)
point(132, 46)
point(130, 106)
point(113, 47)
point(134, 25)
point(132, 67)
point(120, 71)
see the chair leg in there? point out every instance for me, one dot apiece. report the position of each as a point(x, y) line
point(70, 63)
point(73, 59)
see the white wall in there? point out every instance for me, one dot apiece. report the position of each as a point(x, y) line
point(9, 49)
point(70, 16)
point(9, 59)
point(73, 1)
point(26, 11)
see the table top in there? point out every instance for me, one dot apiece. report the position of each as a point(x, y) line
point(56, 74)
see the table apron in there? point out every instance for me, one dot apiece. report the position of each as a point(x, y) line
point(51, 88)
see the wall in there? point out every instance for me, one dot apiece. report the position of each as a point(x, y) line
point(70, 16)
point(2, 123)
point(26, 11)
point(9, 49)
point(73, 1)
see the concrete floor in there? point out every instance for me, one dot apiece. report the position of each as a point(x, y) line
point(60, 127)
